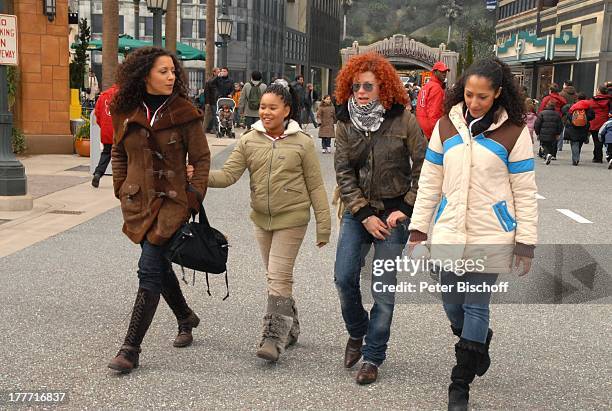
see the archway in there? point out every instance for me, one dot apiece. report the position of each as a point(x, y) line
point(404, 52)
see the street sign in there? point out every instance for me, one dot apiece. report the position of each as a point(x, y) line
point(8, 40)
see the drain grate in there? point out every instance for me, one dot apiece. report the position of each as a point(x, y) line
point(70, 212)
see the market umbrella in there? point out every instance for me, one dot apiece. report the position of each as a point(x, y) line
point(127, 43)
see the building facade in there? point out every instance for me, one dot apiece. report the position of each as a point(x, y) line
point(43, 93)
point(271, 36)
point(547, 41)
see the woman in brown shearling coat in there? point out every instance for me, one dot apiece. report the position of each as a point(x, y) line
point(326, 116)
point(155, 128)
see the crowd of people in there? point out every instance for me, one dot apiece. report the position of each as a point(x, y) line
point(459, 172)
point(567, 115)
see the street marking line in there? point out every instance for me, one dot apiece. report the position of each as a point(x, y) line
point(576, 217)
point(539, 197)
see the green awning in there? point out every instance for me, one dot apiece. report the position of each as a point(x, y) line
point(128, 43)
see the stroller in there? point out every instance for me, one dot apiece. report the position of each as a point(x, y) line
point(225, 123)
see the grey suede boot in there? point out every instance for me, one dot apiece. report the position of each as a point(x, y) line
point(277, 325)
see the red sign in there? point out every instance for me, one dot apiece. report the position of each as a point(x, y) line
point(8, 40)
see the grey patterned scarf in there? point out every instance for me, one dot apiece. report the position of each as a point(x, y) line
point(368, 117)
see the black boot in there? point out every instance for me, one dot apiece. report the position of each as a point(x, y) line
point(142, 315)
point(484, 360)
point(462, 375)
point(186, 318)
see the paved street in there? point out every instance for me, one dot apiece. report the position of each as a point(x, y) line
point(66, 303)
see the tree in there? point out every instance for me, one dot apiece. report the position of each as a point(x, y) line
point(210, 37)
point(171, 26)
point(77, 66)
point(460, 65)
point(452, 9)
point(469, 53)
point(110, 41)
point(137, 19)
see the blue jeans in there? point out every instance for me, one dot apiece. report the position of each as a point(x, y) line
point(153, 267)
point(353, 245)
point(468, 311)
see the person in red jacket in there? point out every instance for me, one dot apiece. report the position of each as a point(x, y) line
point(601, 106)
point(430, 101)
point(103, 118)
point(553, 97)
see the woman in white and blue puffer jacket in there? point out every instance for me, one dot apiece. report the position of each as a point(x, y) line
point(479, 174)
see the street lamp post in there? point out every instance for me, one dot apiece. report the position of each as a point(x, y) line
point(158, 8)
point(13, 181)
point(224, 28)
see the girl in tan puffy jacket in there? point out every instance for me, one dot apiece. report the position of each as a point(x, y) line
point(285, 183)
point(479, 175)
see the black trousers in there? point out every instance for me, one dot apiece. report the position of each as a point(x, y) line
point(550, 147)
point(597, 147)
point(105, 158)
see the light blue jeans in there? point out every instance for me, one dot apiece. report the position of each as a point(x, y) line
point(468, 311)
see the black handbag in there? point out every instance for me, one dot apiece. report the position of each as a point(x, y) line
point(200, 247)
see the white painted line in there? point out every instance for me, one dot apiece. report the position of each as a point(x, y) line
point(576, 217)
point(539, 197)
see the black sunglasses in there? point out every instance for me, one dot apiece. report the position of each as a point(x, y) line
point(366, 86)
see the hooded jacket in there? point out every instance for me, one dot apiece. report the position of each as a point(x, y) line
point(103, 116)
point(380, 170)
point(601, 105)
point(484, 189)
point(149, 173)
point(548, 125)
point(430, 105)
point(553, 98)
point(285, 179)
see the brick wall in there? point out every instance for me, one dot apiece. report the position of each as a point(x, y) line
point(44, 98)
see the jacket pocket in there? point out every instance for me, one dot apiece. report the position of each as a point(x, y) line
point(441, 208)
point(507, 222)
point(131, 198)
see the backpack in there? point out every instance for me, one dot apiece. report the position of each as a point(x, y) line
point(579, 118)
point(254, 96)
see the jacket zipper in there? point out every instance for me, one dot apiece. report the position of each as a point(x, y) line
point(369, 139)
point(269, 176)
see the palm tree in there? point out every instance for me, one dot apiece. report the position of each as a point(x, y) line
point(210, 36)
point(452, 9)
point(171, 26)
point(110, 41)
point(136, 19)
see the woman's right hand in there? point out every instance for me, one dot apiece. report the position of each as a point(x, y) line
point(190, 171)
point(376, 227)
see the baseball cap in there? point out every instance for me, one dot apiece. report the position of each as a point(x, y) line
point(440, 66)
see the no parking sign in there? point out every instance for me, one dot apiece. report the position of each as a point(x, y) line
point(8, 40)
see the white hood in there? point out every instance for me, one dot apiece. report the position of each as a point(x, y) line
point(292, 128)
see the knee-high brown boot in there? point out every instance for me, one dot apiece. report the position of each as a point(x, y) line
point(186, 318)
point(142, 314)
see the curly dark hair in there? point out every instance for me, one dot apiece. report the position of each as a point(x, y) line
point(391, 88)
point(131, 76)
point(499, 75)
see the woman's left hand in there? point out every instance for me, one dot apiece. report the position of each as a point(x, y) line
point(321, 244)
point(526, 262)
point(190, 170)
point(395, 218)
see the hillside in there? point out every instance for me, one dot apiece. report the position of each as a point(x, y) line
point(424, 20)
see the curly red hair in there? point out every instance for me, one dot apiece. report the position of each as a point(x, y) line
point(391, 88)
